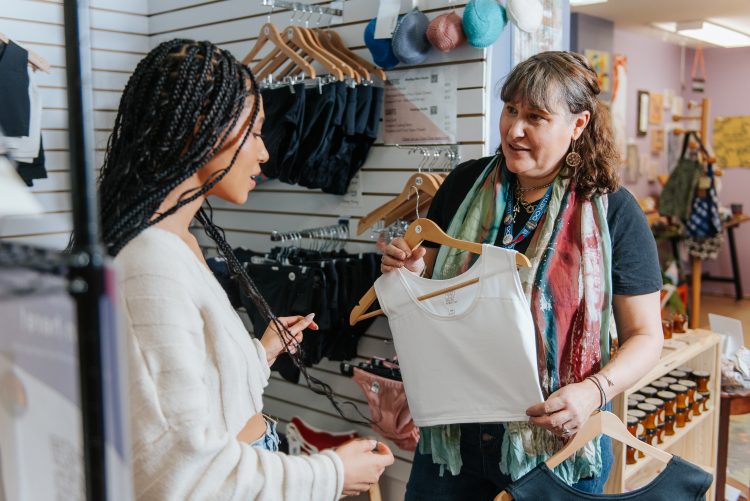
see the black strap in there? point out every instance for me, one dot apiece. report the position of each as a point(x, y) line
point(697, 139)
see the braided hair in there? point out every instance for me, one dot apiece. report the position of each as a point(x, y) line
point(176, 113)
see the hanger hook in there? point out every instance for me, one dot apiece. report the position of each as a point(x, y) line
point(416, 190)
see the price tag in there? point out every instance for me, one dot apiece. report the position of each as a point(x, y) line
point(387, 18)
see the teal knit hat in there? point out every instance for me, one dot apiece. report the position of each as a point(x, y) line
point(483, 22)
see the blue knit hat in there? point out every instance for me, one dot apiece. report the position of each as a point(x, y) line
point(484, 20)
point(410, 43)
point(380, 48)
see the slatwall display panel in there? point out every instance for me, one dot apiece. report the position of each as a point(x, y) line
point(119, 38)
point(274, 206)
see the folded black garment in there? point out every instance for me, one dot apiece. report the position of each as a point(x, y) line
point(282, 129)
point(314, 173)
point(319, 107)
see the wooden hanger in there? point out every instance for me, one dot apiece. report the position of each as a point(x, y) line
point(360, 73)
point(424, 181)
point(35, 59)
point(338, 42)
point(420, 230)
point(602, 422)
point(269, 33)
point(294, 35)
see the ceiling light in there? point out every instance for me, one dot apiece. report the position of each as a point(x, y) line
point(578, 3)
point(708, 32)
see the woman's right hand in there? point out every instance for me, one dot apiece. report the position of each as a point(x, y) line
point(364, 462)
point(398, 255)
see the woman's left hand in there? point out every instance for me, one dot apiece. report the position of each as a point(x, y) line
point(567, 409)
point(273, 342)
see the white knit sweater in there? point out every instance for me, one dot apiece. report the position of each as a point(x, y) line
point(196, 377)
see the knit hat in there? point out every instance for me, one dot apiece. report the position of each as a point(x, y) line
point(380, 48)
point(445, 32)
point(483, 22)
point(526, 14)
point(410, 44)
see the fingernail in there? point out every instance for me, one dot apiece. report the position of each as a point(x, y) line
point(310, 317)
point(403, 255)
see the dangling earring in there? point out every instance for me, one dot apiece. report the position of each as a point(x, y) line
point(573, 159)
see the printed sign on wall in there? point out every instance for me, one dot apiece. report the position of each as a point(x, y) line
point(732, 141)
point(421, 106)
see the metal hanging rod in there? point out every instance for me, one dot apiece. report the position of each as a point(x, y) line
point(333, 232)
point(303, 7)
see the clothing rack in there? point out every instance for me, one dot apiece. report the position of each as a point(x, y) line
point(302, 7)
point(337, 232)
point(431, 155)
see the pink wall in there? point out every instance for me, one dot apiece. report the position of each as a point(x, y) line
point(727, 77)
point(653, 66)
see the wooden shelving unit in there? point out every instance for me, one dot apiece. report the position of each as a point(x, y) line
point(697, 442)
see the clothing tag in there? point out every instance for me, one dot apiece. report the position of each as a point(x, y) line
point(387, 18)
point(451, 311)
point(450, 297)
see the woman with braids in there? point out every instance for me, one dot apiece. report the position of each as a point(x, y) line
point(189, 126)
point(550, 192)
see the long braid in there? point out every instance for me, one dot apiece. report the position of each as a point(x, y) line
point(177, 111)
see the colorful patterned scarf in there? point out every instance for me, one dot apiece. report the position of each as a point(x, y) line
point(572, 324)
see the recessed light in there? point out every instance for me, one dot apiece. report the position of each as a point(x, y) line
point(578, 3)
point(705, 31)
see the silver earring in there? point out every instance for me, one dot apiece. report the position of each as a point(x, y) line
point(573, 159)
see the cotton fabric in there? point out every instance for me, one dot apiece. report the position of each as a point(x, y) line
point(195, 378)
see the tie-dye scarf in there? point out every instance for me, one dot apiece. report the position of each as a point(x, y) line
point(572, 324)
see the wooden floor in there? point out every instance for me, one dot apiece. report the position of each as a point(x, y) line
point(739, 428)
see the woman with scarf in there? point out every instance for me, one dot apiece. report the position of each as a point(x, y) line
point(552, 193)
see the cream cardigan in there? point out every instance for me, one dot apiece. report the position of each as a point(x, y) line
point(196, 376)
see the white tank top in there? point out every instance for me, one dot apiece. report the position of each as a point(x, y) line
point(468, 356)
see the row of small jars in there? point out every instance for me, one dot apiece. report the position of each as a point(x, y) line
point(668, 403)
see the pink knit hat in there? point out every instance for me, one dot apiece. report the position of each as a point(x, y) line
point(445, 32)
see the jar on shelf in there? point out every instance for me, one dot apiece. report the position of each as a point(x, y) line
point(641, 431)
point(679, 323)
point(666, 328)
point(691, 386)
point(682, 407)
point(633, 403)
point(649, 422)
point(659, 404)
point(687, 370)
point(668, 380)
point(669, 425)
point(702, 378)
point(648, 391)
point(659, 385)
point(637, 397)
point(670, 403)
point(697, 404)
point(633, 429)
point(678, 374)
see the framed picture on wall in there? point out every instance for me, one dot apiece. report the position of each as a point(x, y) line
point(656, 112)
point(643, 111)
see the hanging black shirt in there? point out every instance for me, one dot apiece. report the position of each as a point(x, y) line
point(14, 90)
point(680, 481)
point(635, 261)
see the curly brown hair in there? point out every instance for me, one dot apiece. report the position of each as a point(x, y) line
point(549, 78)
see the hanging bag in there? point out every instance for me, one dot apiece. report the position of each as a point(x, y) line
point(698, 83)
point(677, 196)
point(704, 220)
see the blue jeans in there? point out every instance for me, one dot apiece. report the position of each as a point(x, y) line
point(269, 441)
point(480, 477)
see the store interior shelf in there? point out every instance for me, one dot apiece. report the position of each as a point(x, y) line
point(680, 433)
